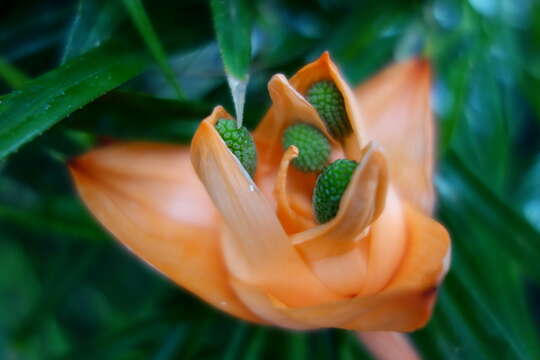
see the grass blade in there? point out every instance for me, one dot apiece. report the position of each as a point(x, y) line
point(26, 113)
point(144, 26)
point(233, 29)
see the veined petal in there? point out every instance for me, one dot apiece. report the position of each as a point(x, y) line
point(148, 196)
point(396, 106)
point(256, 248)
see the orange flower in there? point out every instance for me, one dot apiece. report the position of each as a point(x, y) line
point(252, 247)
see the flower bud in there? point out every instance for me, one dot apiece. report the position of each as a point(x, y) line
point(314, 148)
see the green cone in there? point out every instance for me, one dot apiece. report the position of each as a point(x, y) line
point(327, 100)
point(329, 188)
point(313, 146)
point(240, 142)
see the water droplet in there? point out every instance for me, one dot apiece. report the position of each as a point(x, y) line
point(238, 92)
point(251, 188)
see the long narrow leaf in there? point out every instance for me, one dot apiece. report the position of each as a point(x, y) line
point(142, 22)
point(26, 113)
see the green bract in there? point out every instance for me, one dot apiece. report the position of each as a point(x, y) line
point(313, 146)
point(329, 188)
point(327, 100)
point(240, 142)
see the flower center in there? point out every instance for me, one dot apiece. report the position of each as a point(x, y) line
point(240, 142)
point(314, 148)
point(327, 100)
point(329, 188)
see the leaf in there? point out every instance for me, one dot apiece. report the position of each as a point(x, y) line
point(26, 113)
point(233, 29)
point(234, 348)
point(94, 23)
point(144, 26)
point(14, 77)
point(459, 186)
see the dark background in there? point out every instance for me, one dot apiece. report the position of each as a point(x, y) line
point(68, 291)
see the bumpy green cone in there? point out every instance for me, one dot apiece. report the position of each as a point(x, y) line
point(240, 142)
point(313, 146)
point(327, 100)
point(329, 188)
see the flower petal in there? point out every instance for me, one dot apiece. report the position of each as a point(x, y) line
point(257, 250)
point(288, 108)
point(362, 203)
point(336, 251)
point(325, 69)
point(294, 217)
point(148, 196)
point(387, 241)
point(397, 114)
point(404, 305)
point(387, 345)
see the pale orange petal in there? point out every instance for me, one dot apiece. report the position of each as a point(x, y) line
point(361, 204)
point(293, 219)
point(324, 69)
point(387, 241)
point(257, 250)
point(387, 345)
point(288, 108)
point(404, 305)
point(148, 196)
point(396, 109)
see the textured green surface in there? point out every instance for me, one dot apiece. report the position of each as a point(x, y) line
point(329, 188)
point(326, 98)
point(313, 146)
point(240, 142)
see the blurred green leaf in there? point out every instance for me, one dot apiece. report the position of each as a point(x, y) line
point(94, 23)
point(143, 24)
point(28, 112)
point(461, 187)
point(11, 75)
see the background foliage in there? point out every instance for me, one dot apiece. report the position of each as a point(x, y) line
point(76, 73)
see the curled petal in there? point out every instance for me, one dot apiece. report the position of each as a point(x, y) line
point(361, 204)
point(397, 111)
point(333, 249)
point(148, 196)
point(288, 108)
point(325, 69)
point(256, 248)
point(293, 218)
point(404, 305)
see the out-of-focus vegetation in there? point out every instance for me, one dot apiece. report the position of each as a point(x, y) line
point(76, 73)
